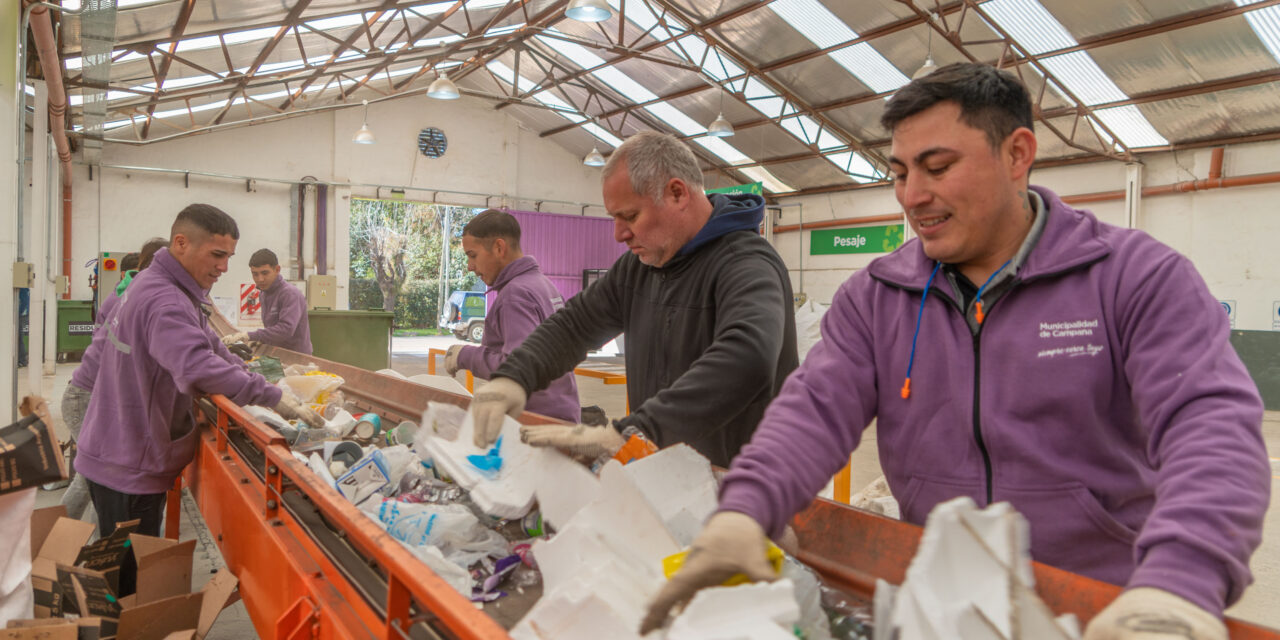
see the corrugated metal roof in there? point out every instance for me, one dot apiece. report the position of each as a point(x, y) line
point(1196, 70)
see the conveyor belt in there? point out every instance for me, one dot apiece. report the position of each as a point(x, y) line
point(330, 572)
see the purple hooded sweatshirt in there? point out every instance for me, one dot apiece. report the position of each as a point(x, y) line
point(87, 372)
point(284, 318)
point(1101, 397)
point(525, 299)
point(158, 353)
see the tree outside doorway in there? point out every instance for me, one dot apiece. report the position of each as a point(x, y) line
point(401, 262)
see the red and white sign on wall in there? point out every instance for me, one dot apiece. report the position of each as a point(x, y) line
point(250, 303)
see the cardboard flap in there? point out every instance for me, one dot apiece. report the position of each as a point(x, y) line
point(189, 634)
point(155, 621)
point(42, 521)
point(108, 553)
point(64, 542)
point(87, 592)
point(219, 593)
point(164, 570)
point(62, 630)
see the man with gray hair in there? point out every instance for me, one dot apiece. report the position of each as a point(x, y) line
point(704, 302)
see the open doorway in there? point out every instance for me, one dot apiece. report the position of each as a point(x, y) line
point(406, 257)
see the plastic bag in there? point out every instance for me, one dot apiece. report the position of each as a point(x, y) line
point(313, 387)
point(300, 369)
point(451, 527)
point(441, 419)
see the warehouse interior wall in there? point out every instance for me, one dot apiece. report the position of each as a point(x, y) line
point(1229, 234)
point(488, 153)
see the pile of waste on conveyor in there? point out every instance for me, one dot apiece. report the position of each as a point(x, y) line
point(498, 521)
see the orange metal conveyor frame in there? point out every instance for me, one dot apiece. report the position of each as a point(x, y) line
point(311, 566)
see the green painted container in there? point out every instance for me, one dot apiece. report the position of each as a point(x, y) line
point(75, 326)
point(358, 338)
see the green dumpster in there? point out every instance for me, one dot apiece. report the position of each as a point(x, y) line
point(75, 327)
point(358, 338)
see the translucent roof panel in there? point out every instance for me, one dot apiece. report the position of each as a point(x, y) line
point(815, 22)
point(1265, 23)
point(1031, 24)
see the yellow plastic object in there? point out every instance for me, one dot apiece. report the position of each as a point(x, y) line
point(773, 554)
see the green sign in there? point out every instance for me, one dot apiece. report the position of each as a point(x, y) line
point(881, 239)
point(750, 187)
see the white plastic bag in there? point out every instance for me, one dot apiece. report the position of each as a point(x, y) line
point(308, 388)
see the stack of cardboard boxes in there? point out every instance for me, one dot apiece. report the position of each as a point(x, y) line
point(126, 586)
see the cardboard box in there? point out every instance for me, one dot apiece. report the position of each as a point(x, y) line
point(60, 546)
point(163, 608)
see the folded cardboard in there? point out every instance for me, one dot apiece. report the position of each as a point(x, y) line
point(61, 546)
point(163, 607)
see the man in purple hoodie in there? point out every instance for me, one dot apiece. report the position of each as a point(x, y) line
point(525, 298)
point(284, 308)
point(139, 429)
point(1022, 351)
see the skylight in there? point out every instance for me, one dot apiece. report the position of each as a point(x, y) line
point(1265, 23)
point(664, 111)
point(525, 85)
point(815, 22)
point(1028, 22)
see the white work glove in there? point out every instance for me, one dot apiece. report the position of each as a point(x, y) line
point(729, 544)
point(232, 338)
point(578, 440)
point(291, 409)
point(1147, 613)
point(451, 359)
point(497, 398)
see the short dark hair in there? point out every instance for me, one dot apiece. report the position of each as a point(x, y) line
point(129, 262)
point(199, 220)
point(990, 100)
point(263, 258)
point(491, 224)
point(148, 252)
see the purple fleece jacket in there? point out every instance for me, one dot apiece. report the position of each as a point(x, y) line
point(87, 372)
point(139, 430)
point(284, 318)
point(525, 299)
point(1101, 398)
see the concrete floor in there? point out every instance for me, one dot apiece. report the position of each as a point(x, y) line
point(1258, 604)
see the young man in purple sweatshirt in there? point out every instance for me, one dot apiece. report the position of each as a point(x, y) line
point(157, 355)
point(525, 298)
point(1022, 351)
point(284, 308)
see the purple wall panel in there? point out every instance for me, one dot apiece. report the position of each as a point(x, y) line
point(564, 245)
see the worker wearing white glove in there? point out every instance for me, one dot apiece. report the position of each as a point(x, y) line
point(1147, 613)
point(291, 409)
point(497, 398)
point(451, 359)
point(232, 338)
point(579, 440)
point(731, 543)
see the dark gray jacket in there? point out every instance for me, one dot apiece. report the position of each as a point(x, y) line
point(710, 336)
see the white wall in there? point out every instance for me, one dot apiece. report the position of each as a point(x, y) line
point(1230, 234)
point(489, 153)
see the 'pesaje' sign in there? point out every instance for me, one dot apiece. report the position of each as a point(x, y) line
point(881, 239)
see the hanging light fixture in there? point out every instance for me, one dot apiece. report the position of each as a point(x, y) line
point(364, 135)
point(594, 159)
point(720, 128)
point(928, 67)
point(588, 11)
point(443, 89)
